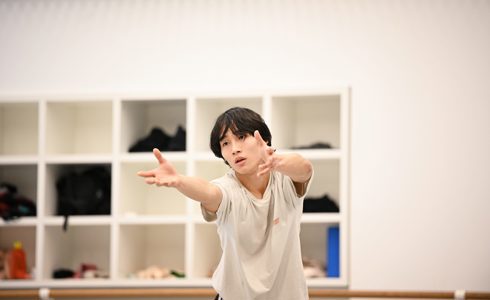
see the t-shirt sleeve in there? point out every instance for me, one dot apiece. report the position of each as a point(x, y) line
point(289, 185)
point(308, 184)
point(223, 208)
point(295, 200)
point(207, 215)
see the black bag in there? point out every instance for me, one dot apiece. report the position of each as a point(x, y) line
point(84, 193)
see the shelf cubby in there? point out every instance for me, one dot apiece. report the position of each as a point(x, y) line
point(314, 241)
point(78, 127)
point(19, 129)
point(27, 236)
point(139, 198)
point(77, 245)
point(206, 250)
point(23, 177)
point(53, 174)
point(143, 246)
point(139, 117)
point(326, 179)
point(300, 121)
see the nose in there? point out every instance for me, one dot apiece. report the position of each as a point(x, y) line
point(235, 148)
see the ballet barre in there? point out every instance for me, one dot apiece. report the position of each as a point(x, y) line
point(61, 293)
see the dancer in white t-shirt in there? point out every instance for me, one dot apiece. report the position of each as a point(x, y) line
point(257, 206)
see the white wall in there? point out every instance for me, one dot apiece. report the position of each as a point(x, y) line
point(420, 78)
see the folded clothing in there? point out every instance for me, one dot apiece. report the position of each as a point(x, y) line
point(157, 272)
point(313, 268)
point(321, 204)
point(159, 139)
point(177, 142)
point(13, 205)
point(318, 145)
point(86, 271)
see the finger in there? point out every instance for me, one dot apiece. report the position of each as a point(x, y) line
point(269, 163)
point(159, 156)
point(260, 173)
point(264, 171)
point(161, 183)
point(166, 183)
point(267, 166)
point(263, 168)
point(258, 137)
point(145, 173)
point(150, 180)
point(266, 163)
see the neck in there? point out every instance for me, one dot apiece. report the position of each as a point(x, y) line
point(254, 184)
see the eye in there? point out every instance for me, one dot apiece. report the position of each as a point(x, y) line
point(242, 137)
point(223, 144)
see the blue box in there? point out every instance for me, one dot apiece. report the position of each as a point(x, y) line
point(333, 252)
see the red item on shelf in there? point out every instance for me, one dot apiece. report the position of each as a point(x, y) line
point(16, 265)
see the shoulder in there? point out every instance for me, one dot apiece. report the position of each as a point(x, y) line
point(226, 181)
point(280, 179)
point(229, 188)
point(284, 185)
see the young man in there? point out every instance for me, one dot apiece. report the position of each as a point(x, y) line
point(257, 206)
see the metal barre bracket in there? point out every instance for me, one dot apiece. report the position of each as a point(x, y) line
point(459, 295)
point(44, 294)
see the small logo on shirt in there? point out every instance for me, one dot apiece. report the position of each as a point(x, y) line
point(276, 221)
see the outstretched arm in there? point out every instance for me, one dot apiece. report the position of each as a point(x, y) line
point(293, 165)
point(195, 188)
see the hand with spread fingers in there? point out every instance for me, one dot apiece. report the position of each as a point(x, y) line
point(268, 155)
point(163, 175)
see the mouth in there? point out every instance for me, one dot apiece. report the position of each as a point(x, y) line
point(238, 160)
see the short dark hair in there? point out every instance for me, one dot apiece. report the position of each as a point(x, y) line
point(240, 121)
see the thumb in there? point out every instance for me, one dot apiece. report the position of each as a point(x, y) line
point(158, 156)
point(258, 137)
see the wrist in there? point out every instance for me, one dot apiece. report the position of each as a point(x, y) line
point(179, 181)
point(277, 162)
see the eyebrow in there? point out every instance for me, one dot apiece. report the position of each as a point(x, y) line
point(237, 133)
point(223, 136)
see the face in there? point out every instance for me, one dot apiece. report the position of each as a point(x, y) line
point(241, 152)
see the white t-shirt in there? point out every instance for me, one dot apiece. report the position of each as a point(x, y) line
point(260, 241)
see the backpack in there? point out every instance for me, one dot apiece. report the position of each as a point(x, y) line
point(84, 193)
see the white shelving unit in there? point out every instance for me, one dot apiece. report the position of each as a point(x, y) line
point(45, 136)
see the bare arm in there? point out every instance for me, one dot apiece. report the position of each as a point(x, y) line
point(201, 190)
point(195, 188)
point(293, 165)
